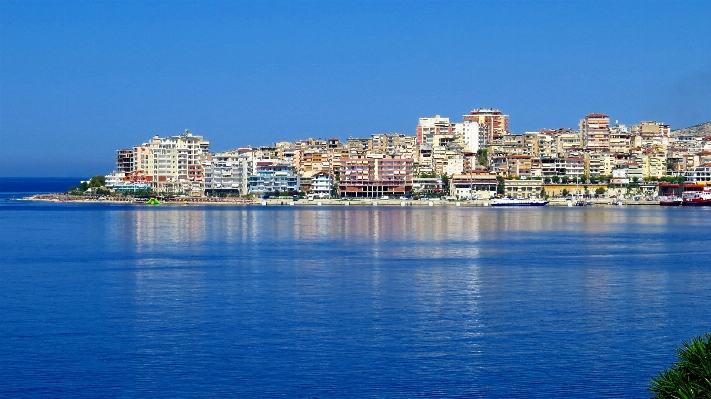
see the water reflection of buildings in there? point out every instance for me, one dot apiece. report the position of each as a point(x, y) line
point(436, 232)
point(429, 232)
point(165, 228)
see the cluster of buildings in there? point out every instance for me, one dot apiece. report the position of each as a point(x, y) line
point(463, 158)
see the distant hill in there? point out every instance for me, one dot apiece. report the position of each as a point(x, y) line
point(703, 129)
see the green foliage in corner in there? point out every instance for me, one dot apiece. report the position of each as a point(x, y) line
point(690, 377)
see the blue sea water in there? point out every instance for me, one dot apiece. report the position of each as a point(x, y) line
point(20, 186)
point(104, 300)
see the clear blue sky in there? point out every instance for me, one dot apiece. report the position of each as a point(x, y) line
point(79, 80)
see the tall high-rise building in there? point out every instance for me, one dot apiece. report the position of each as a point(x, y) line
point(595, 131)
point(431, 126)
point(496, 123)
point(228, 172)
point(172, 160)
point(472, 138)
point(124, 161)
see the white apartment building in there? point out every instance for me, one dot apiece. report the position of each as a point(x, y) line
point(228, 172)
point(172, 163)
point(574, 167)
point(474, 139)
point(432, 126)
point(322, 185)
point(453, 166)
point(701, 174)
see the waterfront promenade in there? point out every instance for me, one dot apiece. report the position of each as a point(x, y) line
point(286, 201)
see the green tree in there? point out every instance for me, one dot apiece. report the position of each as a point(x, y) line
point(482, 157)
point(547, 180)
point(600, 191)
point(500, 186)
point(670, 164)
point(445, 184)
point(690, 377)
point(97, 181)
point(565, 180)
point(565, 192)
point(556, 179)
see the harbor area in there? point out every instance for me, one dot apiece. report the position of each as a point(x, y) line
point(288, 201)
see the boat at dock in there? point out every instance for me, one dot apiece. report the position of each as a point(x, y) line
point(518, 202)
point(670, 201)
point(582, 202)
point(697, 198)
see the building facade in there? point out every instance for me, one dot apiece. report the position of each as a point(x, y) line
point(375, 177)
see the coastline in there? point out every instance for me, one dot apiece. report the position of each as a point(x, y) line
point(555, 202)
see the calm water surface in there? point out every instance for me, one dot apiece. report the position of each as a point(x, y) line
point(190, 301)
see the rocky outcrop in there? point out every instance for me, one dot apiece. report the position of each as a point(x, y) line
point(703, 129)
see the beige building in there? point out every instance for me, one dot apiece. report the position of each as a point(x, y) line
point(495, 123)
point(652, 164)
point(523, 188)
point(619, 139)
point(173, 163)
point(518, 165)
point(394, 144)
point(547, 145)
point(651, 128)
point(568, 140)
point(595, 132)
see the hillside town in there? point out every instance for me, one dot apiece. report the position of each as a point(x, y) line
point(475, 158)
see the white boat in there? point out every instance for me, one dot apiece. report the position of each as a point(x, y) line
point(670, 201)
point(518, 202)
point(697, 198)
